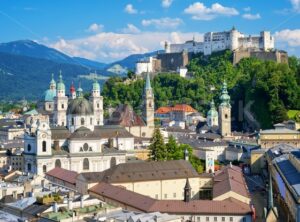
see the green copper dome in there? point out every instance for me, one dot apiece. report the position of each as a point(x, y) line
point(52, 82)
point(225, 98)
point(212, 112)
point(79, 92)
point(60, 84)
point(96, 85)
point(49, 95)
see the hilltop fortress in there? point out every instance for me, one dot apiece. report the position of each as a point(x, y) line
point(176, 56)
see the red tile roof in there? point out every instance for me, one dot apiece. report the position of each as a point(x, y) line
point(184, 108)
point(176, 108)
point(148, 204)
point(163, 110)
point(63, 174)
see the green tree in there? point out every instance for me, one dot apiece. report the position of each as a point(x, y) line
point(171, 147)
point(157, 147)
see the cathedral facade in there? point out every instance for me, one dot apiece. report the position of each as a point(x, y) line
point(75, 137)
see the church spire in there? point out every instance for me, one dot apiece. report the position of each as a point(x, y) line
point(148, 83)
point(187, 191)
point(225, 98)
point(52, 82)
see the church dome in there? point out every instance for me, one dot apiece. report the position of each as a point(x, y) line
point(212, 112)
point(49, 95)
point(80, 106)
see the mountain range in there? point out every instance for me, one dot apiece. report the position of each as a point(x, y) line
point(26, 67)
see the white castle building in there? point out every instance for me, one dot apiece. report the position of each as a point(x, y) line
point(75, 138)
point(218, 41)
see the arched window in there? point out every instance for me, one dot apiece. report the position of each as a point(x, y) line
point(82, 121)
point(57, 163)
point(85, 147)
point(226, 116)
point(44, 146)
point(86, 164)
point(29, 167)
point(98, 105)
point(28, 147)
point(62, 106)
point(72, 121)
point(44, 169)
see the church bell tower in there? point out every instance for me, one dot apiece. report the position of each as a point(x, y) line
point(225, 112)
point(61, 103)
point(148, 97)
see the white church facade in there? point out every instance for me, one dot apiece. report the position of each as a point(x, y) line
point(75, 138)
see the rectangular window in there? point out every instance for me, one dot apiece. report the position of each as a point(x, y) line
point(223, 218)
point(198, 219)
point(174, 195)
point(156, 196)
point(166, 196)
point(207, 218)
point(215, 219)
point(231, 219)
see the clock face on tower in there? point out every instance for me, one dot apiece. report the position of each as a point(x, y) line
point(44, 135)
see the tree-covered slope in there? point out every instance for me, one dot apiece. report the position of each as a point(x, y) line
point(270, 87)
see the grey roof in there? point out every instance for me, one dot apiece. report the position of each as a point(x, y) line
point(85, 133)
point(100, 132)
point(80, 106)
point(280, 149)
point(279, 131)
point(289, 171)
point(60, 132)
point(143, 171)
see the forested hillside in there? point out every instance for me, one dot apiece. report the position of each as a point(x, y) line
point(273, 87)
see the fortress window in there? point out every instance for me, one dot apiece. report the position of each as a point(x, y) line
point(28, 147)
point(44, 146)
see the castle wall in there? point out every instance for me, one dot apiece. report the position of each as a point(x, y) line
point(276, 56)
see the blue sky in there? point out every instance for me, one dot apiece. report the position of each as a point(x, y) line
point(108, 30)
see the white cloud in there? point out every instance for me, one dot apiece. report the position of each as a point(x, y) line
point(130, 9)
point(130, 28)
point(166, 3)
point(200, 12)
point(95, 27)
point(251, 16)
point(288, 37)
point(163, 23)
point(247, 9)
point(110, 46)
point(296, 5)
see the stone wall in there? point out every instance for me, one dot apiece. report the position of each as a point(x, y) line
point(171, 61)
point(277, 56)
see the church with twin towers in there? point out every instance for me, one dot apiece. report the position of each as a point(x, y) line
point(74, 135)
